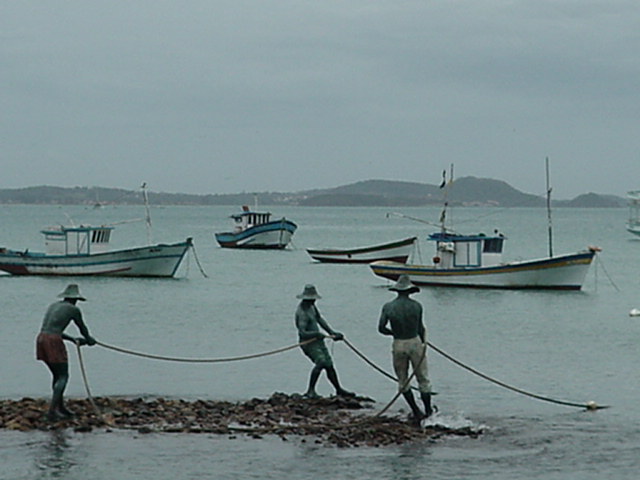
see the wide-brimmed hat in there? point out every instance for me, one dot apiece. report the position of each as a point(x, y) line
point(404, 285)
point(309, 293)
point(72, 291)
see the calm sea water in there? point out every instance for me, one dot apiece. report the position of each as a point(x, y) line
point(574, 346)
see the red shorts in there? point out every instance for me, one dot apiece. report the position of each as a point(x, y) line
point(50, 348)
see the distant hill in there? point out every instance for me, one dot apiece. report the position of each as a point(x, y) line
point(589, 200)
point(468, 191)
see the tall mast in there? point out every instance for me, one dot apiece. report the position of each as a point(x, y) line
point(145, 197)
point(550, 228)
point(445, 185)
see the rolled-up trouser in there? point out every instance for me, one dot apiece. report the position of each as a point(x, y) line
point(411, 351)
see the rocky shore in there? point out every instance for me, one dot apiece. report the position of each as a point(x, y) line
point(343, 422)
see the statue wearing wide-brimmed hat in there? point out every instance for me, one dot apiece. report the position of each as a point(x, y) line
point(402, 319)
point(50, 346)
point(72, 292)
point(308, 322)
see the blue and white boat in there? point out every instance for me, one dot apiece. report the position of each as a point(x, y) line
point(476, 261)
point(256, 230)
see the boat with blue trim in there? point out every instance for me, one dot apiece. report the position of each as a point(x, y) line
point(84, 250)
point(72, 250)
point(476, 261)
point(256, 230)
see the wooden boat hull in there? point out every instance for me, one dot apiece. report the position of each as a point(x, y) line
point(565, 272)
point(398, 251)
point(271, 235)
point(159, 260)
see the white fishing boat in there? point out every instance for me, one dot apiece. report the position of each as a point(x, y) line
point(256, 230)
point(476, 261)
point(633, 223)
point(397, 251)
point(84, 250)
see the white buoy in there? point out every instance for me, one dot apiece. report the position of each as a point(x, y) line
point(591, 405)
point(635, 312)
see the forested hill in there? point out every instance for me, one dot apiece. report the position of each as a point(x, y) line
point(464, 191)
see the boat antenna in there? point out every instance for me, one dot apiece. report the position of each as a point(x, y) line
point(550, 225)
point(147, 218)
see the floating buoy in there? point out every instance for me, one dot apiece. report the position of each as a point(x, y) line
point(635, 312)
point(591, 405)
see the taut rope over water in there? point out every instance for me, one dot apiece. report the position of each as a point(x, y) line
point(201, 360)
point(588, 405)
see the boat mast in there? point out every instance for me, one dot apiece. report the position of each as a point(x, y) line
point(445, 185)
point(147, 219)
point(550, 228)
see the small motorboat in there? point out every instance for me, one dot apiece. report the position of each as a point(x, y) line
point(256, 230)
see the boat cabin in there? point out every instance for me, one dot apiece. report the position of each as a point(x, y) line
point(82, 240)
point(467, 251)
point(247, 219)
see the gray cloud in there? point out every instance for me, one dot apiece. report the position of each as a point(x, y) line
point(222, 96)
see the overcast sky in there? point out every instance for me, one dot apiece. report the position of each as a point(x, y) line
point(224, 96)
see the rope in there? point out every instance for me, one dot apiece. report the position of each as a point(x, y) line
point(588, 405)
point(86, 387)
point(404, 386)
point(600, 262)
point(195, 255)
point(369, 362)
point(202, 360)
point(84, 378)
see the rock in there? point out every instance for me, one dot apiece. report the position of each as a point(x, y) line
point(329, 420)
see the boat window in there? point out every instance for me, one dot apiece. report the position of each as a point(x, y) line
point(493, 245)
point(467, 254)
point(100, 236)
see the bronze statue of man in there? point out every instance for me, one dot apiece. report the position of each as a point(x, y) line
point(50, 346)
point(308, 322)
point(404, 317)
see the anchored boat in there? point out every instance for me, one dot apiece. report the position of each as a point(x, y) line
point(397, 251)
point(256, 230)
point(84, 250)
point(476, 261)
point(633, 223)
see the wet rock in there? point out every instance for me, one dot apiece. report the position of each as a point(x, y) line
point(332, 420)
